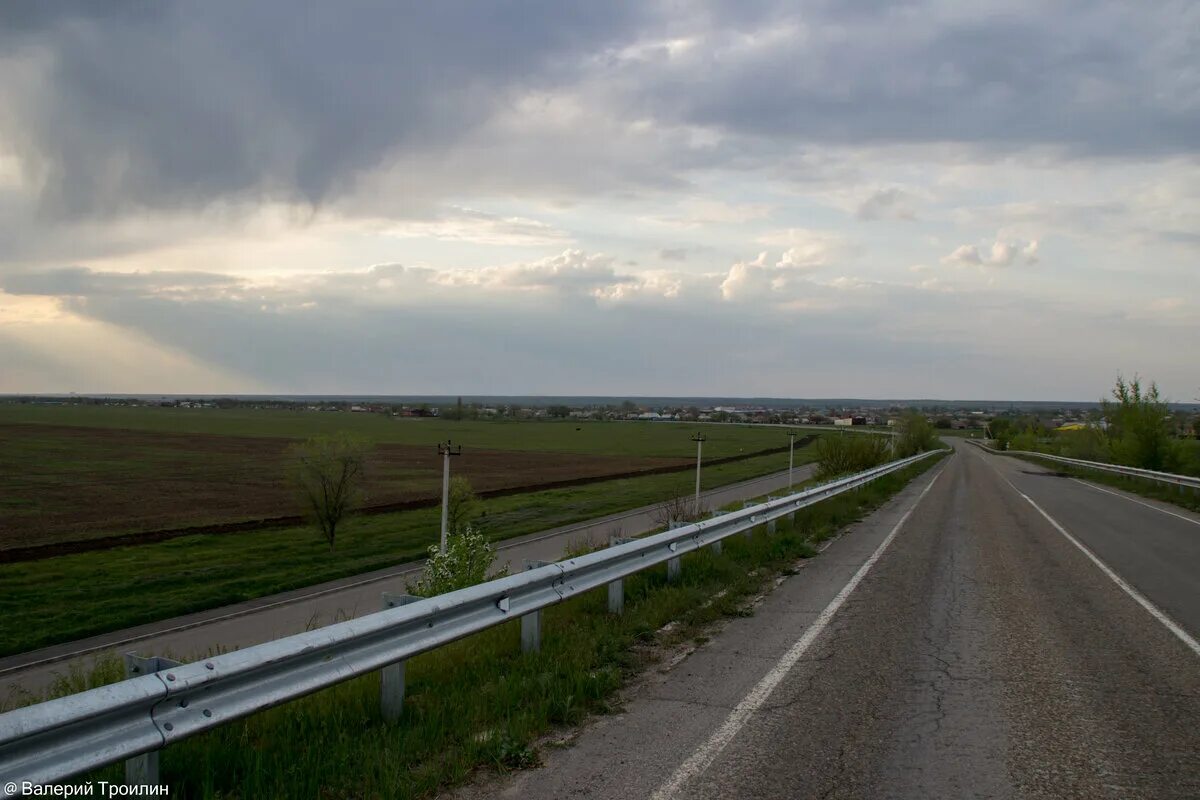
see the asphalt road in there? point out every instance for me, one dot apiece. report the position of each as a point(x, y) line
point(970, 649)
point(197, 635)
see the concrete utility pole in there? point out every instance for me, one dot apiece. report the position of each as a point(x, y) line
point(791, 456)
point(445, 451)
point(699, 440)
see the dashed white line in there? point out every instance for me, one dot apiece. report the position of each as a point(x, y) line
point(1141, 600)
point(1139, 502)
point(703, 757)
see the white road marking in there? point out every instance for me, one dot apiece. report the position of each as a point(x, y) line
point(1139, 502)
point(703, 757)
point(1154, 610)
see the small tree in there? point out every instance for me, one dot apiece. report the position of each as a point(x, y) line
point(328, 473)
point(1001, 431)
point(1139, 426)
point(462, 506)
point(914, 434)
point(1087, 443)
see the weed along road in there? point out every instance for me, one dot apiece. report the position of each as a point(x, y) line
point(267, 618)
point(992, 631)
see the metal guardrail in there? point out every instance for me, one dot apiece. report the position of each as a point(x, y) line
point(1183, 481)
point(68, 736)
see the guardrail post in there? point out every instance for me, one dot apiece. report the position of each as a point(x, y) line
point(143, 770)
point(616, 589)
point(715, 547)
point(673, 566)
point(391, 677)
point(771, 523)
point(531, 623)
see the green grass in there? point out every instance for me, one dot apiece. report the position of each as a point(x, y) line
point(568, 436)
point(40, 601)
point(480, 702)
point(1191, 455)
point(1146, 488)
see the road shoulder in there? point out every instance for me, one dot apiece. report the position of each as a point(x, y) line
point(674, 708)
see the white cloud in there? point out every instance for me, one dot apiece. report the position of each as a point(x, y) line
point(758, 278)
point(809, 249)
point(998, 254)
point(571, 271)
point(746, 277)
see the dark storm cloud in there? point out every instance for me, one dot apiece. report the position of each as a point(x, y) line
point(128, 105)
point(184, 103)
point(1107, 79)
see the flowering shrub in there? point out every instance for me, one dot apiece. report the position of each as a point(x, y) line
point(466, 562)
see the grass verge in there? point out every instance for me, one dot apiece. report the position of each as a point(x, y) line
point(480, 702)
point(40, 601)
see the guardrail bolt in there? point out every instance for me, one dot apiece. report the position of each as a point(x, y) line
point(391, 677)
point(143, 770)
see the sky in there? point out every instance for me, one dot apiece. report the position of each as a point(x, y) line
point(951, 199)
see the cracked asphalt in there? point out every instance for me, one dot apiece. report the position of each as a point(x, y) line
point(984, 655)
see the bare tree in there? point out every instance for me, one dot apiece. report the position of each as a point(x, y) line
point(328, 472)
point(677, 509)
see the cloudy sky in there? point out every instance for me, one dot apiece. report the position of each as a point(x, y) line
point(951, 199)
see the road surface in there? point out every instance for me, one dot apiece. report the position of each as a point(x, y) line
point(957, 643)
point(196, 635)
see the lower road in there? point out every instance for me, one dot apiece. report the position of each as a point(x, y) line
point(994, 631)
point(264, 619)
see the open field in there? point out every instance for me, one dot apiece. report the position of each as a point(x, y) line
point(73, 483)
point(124, 586)
point(71, 476)
point(481, 702)
point(654, 439)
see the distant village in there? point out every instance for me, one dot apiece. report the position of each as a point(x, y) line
point(945, 416)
